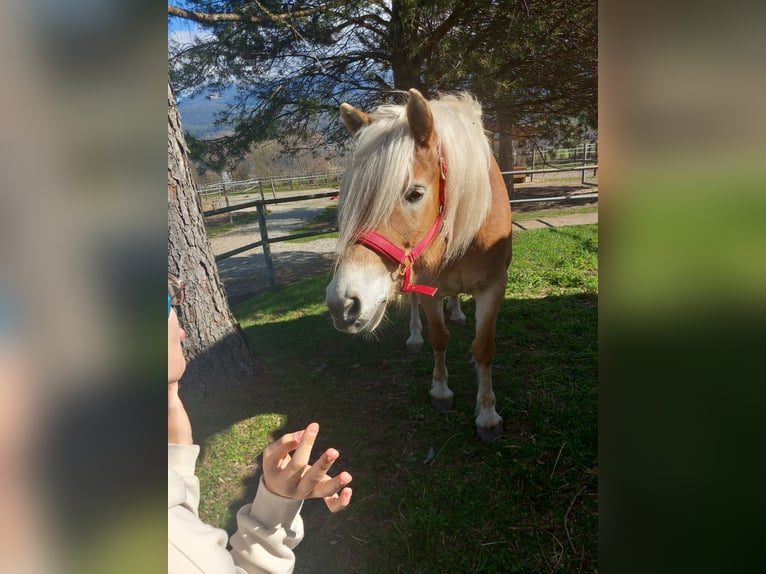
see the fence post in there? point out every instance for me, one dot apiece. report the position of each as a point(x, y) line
point(532, 175)
point(226, 199)
point(584, 160)
point(265, 239)
point(595, 159)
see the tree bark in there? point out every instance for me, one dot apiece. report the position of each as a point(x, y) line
point(505, 149)
point(406, 62)
point(215, 349)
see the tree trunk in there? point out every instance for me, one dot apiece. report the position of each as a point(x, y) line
point(505, 149)
point(215, 349)
point(406, 64)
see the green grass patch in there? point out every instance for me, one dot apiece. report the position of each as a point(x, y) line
point(218, 224)
point(285, 185)
point(328, 218)
point(526, 502)
point(564, 260)
point(524, 215)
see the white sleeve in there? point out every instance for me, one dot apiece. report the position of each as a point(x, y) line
point(268, 531)
point(193, 546)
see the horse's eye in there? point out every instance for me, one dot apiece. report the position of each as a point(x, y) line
point(414, 193)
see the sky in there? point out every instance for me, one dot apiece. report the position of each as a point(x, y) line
point(180, 30)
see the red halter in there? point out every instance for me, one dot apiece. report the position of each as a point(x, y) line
point(383, 246)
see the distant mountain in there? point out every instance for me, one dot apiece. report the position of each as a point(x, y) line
point(198, 113)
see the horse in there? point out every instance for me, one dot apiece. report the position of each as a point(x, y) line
point(423, 209)
point(415, 341)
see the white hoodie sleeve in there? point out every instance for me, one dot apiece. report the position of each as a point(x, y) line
point(268, 528)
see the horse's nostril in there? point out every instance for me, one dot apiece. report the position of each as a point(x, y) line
point(351, 309)
point(345, 308)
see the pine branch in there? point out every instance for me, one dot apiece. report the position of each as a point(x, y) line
point(207, 18)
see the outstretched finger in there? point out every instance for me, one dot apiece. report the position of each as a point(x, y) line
point(339, 501)
point(303, 450)
point(273, 453)
point(330, 486)
point(317, 473)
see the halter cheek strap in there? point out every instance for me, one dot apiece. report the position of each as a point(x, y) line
point(383, 246)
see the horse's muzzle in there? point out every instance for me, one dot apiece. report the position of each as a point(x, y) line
point(345, 311)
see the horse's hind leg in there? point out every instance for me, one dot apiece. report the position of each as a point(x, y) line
point(489, 425)
point(415, 340)
point(456, 314)
point(442, 398)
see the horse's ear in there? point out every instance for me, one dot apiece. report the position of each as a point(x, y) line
point(353, 118)
point(420, 118)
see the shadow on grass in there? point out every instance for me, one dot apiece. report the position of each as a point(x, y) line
point(523, 503)
point(589, 244)
point(542, 193)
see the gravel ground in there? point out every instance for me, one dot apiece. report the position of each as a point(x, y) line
point(245, 274)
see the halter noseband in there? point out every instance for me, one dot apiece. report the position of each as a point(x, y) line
point(383, 246)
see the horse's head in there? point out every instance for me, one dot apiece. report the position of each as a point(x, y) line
point(390, 212)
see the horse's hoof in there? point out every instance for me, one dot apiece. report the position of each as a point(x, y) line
point(458, 321)
point(488, 434)
point(414, 347)
point(442, 404)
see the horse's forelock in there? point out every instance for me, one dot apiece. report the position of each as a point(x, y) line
point(379, 168)
point(382, 164)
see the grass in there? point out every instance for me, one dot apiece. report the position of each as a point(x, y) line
point(328, 218)
point(525, 215)
point(526, 502)
point(217, 224)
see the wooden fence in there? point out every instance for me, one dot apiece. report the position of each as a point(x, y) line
point(260, 206)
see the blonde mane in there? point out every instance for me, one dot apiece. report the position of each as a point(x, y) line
point(381, 167)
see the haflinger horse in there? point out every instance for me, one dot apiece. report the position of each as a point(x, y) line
point(423, 208)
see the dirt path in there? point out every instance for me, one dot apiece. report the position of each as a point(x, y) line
point(245, 274)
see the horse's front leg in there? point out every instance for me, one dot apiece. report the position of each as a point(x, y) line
point(415, 340)
point(442, 398)
point(489, 425)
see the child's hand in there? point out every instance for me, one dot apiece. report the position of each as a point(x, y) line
point(292, 477)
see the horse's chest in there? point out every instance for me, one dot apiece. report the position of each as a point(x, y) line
point(463, 278)
point(478, 269)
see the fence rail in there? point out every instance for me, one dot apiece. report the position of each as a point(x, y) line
point(267, 184)
point(582, 153)
point(265, 241)
point(581, 168)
